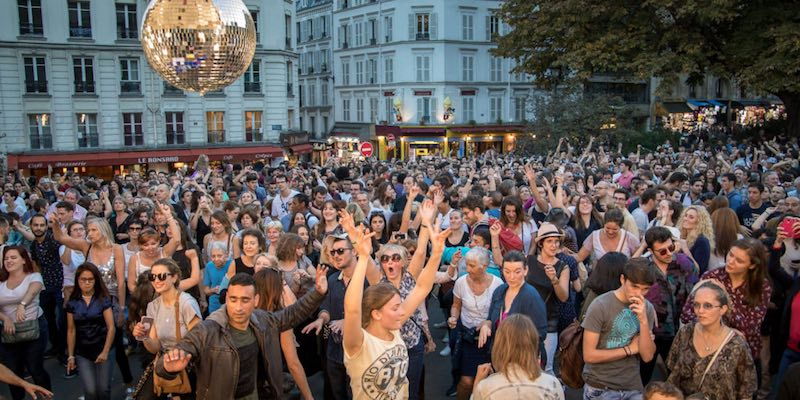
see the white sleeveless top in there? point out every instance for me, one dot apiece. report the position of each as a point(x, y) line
point(379, 370)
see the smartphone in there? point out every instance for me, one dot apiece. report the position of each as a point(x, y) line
point(787, 225)
point(148, 323)
point(400, 236)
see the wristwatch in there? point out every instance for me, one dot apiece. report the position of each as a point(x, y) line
point(23, 303)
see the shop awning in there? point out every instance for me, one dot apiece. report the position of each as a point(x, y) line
point(304, 148)
point(488, 129)
point(748, 103)
point(698, 103)
point(716, 103)
point(150, 156)
point(676, 107)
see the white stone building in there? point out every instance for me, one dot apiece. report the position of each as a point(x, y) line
point(74, 82)
point(314, 35)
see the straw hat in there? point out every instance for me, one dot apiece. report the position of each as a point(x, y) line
point(547, 230)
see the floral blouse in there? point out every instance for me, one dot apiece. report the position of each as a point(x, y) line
point(742, 317)
point(732, 377)
point(669, 293)
point(411, 331)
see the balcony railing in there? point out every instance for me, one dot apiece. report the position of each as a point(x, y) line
point(253, 135)
point(41, 142)
point(123, 33)
point(423, 36)
point(80, 32)
point(84, 87)
point(91, 140)
point(169, 89)
point(216, 137)
point(252, 87)
point(176, 137)
point(288, 43)
point(324, 67)
point(135, 139)
point(130, 87)
point(31, 29)
point(289, 91)
point(39, 86)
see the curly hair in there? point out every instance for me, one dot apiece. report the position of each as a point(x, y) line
point(704, 226)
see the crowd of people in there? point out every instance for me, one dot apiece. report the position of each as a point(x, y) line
point(664, 273)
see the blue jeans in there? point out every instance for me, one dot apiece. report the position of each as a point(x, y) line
point(96, 378)
point(52, 303)
point(29, 356)
point(591, 393)
point(789, 357)
point(415, 367)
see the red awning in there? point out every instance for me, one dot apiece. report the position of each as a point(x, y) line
point(345, 134)
point(304, 148)
point(488, 129)
point(111, 158)
point(383, 130)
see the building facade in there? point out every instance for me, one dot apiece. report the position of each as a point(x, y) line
point(415, 70)
point(314, 37)
point(76, 91)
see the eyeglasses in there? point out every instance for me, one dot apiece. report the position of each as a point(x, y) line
point(161, 277)
point(86, 280)
point(664, 251)
point(704, 306)
point(339, 252)
point(134, 229)
point(393, 257)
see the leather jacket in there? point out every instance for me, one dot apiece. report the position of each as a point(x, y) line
point(215, 359)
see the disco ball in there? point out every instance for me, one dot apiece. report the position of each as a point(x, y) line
point(198, 45)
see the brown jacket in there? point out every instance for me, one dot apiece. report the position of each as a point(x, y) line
point(216, 361)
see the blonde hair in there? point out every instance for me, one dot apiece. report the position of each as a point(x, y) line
point(356, 212)
point(104, 228)
point(392, 249)
point(516, 343)
point(704, 226)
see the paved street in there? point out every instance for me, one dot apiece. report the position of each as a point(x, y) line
point(437, 376)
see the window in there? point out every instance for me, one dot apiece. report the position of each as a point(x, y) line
point(495, 108)
point(372, 71)
point(30, 18)
point(87, 130)
point(39, 125)
point(425, 108)
point(175, 132)
point(215, 126)
point(387, 29)
point(492, 28)
point(467, 109)
point(289, 80)
point(132, 129)
point(373, 109)
point(323, 26)
point(35, 75)
point(127, 28)
point(254, 15)
point(423, 68)
point(252, 77)
point(252, 126)
point(423, 26)
point(388, 69)
point(467, 31)
point(324, 124)
point(312, 94)
point(288, 24)
point(359, 72)
point(83, 72)
point(324, 89)
point(359, 36)
point(129, 75)
point(388, 109)
point(345, 109)
point(372, 31)
point(360, 110)
point(344, 36)
point(495, 69)
point(80, 22)
point(345, 72)
point(467, 68)
point(520, 107)
point(312, 125)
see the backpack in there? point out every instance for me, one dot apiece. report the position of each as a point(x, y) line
point(569, 357)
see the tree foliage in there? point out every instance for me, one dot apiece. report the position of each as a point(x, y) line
point(755, 42)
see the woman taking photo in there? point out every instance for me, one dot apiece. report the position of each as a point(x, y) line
point(745, 280)
point(165, 276)
point(550, 277)
point(585, 220)
point(374, 317)
point(696, 229)
point(20, 285)
point(90, 333)
point(517, 373)
point(707, 356)
point(611, 238)
point(221, 232)
point(472, 296)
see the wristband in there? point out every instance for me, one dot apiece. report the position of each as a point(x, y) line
point(628, 352)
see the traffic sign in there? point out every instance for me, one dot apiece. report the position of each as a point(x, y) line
point(366, 149)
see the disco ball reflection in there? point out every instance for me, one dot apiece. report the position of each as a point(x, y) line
point(198, 45)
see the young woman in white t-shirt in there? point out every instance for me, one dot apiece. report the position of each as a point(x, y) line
point(71, 259)
point(375, 355)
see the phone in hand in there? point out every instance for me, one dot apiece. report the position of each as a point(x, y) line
point(788, 226)
point(399, 236)
point(148, 323)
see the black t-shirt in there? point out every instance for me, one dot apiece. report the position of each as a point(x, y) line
point(539, 280)
point(247, 349)
point(748, 215)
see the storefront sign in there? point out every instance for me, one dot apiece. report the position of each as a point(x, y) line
point(149, 160)
point(319, 146)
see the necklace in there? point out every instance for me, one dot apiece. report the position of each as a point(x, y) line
point(707, 347)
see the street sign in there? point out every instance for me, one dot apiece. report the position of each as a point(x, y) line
point(366, 149)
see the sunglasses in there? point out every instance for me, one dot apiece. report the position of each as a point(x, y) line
point(339, 252)
point(134, 229)
point(161, 277)
point(393, 257)
point(664, 251)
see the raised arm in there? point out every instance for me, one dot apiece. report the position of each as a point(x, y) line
point(411, 195)
point(427, 210)
point(426, 278)
point(353, 337)
point(537, 197)
point(76, 244)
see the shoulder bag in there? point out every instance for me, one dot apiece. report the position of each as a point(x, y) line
point(24, 331)
point(179, 384)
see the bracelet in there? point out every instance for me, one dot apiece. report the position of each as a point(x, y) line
point(627, 351)
point(71, 358)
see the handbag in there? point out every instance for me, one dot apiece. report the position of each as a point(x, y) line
point(701, 395)
point(180, 384)
point(24, 331)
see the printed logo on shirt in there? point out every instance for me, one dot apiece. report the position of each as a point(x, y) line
point(384, 378)
point(623, 329)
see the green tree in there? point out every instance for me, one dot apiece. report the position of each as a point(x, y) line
point(754, 42)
